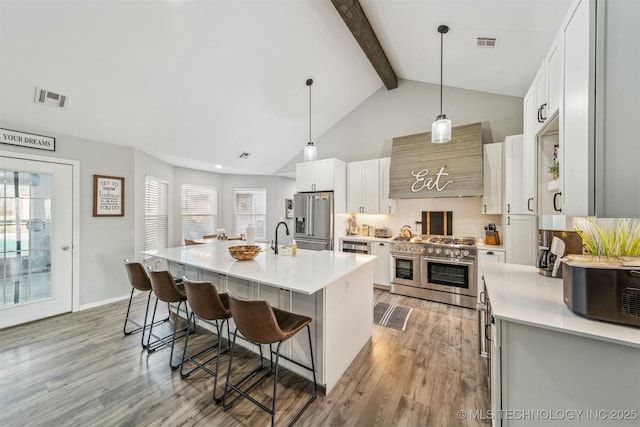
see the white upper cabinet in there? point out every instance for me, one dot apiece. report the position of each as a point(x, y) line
point(553, 66)
point(319, 175)
point(387, 205)
point(492, 178)
point(576, 137)
point(363, 186)
point(519, 175)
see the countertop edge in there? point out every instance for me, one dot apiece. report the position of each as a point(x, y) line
point(544, 306)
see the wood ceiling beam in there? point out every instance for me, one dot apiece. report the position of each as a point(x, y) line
point(357, 22)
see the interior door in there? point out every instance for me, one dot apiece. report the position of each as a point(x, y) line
point(36, 230)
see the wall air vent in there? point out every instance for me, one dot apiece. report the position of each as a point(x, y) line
point(490, 42)
point(52, 99)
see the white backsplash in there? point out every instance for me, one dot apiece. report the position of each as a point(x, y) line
point(468, 219)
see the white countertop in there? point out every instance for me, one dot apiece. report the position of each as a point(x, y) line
point(366, 238)
point(519, 294)
point(306, 273)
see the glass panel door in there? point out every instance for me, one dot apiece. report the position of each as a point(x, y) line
point(25, 237)
point(36, 229)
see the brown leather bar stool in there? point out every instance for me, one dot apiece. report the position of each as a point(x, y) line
point(139, 281)
point(261, 324)
point(167, 290)
point(208, 305)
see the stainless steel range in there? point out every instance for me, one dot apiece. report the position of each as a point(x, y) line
point(440, 268)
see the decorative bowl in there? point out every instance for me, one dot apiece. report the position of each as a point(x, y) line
point(244, 252)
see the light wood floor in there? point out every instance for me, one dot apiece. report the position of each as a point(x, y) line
point(78, 369)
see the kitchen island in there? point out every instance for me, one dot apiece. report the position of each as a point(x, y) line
point(550, 366)
point(335, 289)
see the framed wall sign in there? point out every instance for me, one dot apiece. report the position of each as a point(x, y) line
point(29, 140)
point(108, 195)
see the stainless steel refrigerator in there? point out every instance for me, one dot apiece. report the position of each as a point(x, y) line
point(313, 214)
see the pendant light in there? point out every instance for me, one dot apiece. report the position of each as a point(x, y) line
point(441, 128)
point(310, 151)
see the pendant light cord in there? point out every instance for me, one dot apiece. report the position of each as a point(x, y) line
point(309, 83)
point(441, 44)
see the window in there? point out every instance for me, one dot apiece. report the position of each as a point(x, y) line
point(250, 207)
point(156, 217)
point(199, 210)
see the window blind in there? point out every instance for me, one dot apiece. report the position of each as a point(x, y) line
point(156, 217)
point(199, 210)
point(250, 207)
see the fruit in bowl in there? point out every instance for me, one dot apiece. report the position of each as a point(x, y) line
point(244, 252)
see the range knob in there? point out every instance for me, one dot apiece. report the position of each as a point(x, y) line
point(404, 249)
point(438, 251)
point(465, 253)
point(456, 252)
point(422, 249)
point(398, 247)
point(430, 250)
point(412, 249)
point(447, 252)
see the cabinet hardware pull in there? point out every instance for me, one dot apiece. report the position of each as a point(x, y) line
point(543, 107)
point(635, 273)
point(555, 198)
point(487, 334)
point(485, 208)
point(490, 253)
point(508, 220)
point(508, 207)
point(529, 200)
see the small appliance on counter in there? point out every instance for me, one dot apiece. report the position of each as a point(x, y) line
point(382, 232)
point(607, 290)
point(568, 242)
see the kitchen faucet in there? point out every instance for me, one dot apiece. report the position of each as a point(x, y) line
point(286, 227)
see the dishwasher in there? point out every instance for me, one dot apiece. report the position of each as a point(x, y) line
point(356, 247)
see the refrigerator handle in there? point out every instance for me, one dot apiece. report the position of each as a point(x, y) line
point(310, 227)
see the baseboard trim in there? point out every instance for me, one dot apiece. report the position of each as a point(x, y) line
point(101, 303)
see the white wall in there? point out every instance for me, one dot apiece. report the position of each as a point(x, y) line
point(104, 242)
point(367, 132)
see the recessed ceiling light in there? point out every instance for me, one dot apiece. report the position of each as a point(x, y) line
point(217, 166)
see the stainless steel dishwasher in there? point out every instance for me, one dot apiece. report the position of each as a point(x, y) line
point(356, 246)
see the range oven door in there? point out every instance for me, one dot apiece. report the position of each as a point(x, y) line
point(406, 270)
point(449, 275)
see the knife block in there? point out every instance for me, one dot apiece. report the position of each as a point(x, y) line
point(491, 237)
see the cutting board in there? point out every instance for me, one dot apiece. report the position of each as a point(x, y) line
point(437, 222)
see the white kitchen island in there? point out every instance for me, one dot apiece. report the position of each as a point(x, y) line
point(550, 366)
point(335, 289)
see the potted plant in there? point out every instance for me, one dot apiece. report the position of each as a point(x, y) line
point(554, 169)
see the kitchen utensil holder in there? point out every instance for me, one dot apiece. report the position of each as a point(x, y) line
point(491, 237)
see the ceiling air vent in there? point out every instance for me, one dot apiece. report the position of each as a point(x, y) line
point(50, 98)
point(490, 42)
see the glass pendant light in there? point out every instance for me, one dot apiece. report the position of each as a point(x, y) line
point(441, 128)
point(310, 151)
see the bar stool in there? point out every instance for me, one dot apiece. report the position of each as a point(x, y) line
point(139, 281)
point(260, 323)
point(208, 305)
point(167, 290)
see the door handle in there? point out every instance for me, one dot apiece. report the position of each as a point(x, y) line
point(555, 198)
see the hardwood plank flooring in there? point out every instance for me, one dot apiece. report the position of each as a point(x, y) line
point(79, 370)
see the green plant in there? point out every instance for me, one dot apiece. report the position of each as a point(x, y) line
point(619, 237)
point(554, 169)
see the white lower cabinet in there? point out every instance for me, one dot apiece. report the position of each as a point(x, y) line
point(521, 232)
point(545, 377)
point(382, 269)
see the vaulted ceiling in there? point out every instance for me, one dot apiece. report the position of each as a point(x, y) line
point(196, 83)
